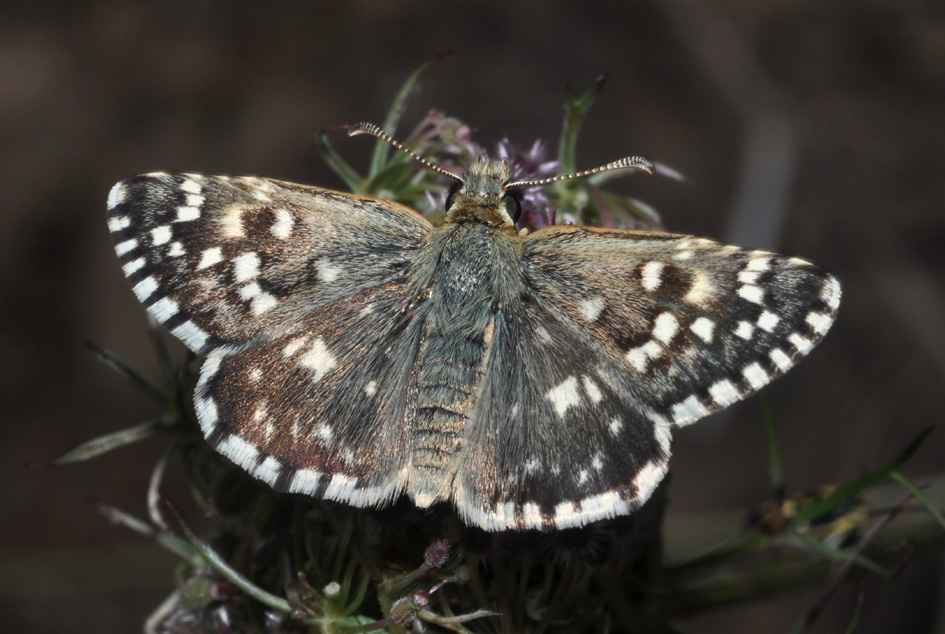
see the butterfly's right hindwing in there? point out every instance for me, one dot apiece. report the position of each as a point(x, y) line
point(321, 409)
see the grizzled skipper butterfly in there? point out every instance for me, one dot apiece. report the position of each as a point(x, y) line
point(355, 352)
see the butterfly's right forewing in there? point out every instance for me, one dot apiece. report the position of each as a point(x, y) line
point(219, 260)
point(301, 300)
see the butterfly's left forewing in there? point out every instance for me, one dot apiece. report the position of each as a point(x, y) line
point(617, 338)
point(695, 324)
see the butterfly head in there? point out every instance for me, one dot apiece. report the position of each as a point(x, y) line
point(482, 194)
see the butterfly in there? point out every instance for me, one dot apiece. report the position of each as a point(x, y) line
point(355, 352)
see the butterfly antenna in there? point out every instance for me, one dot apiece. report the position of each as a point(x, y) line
point(636, 162)
point(375, 131)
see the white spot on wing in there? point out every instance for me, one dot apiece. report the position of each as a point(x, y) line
point(831, 293)
point(758, 264)
point(116, 195)
point(703, 328)
point(186, 214)
point(665, 327)
point(723, 392)
point(210, 257)
point(190, 186)
point(327, 271)
point(261, 413)
point(318, 359)
point(768, 321)
point(751, 293)
point(591, 308)
point(133, 266)
point(755, 375)
point(749, 277)
point(207, 414)
point(246, 267)
point(305, 481)
point(531, 514)
point(744, 330)
point(689, 410)
point(651, 275)
point(640, 356)
point(191, 334)
point(176, 250)
point(649, 476)
point(593, 392)
point(564, 395)
point(119, 223)
point(803, 344)
point(145, 288)
point(371, 388)
point(231, 223)
point(261, 300)
point(615, 426)
point(161, 235)
point(780, 359)
point(702, 289)
point(124, 247)
point(820, 322)
point(294, 346)
point(282, 227)
point(338, 488)
point(164, 308)
point(268, 470)
point(240, 452)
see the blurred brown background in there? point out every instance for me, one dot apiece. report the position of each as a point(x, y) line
point(817, 129)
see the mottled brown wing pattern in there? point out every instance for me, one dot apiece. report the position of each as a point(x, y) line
point(321, 408)
point(355, 353)
point(698, 325)
point(622, 337)
point(258, 275)
point(220, 260)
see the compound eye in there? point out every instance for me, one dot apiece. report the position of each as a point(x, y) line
point(513, 204)
point(451, 194)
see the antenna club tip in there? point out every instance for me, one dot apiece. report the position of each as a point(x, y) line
point(363, 127)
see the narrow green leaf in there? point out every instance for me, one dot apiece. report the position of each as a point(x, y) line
point(228, 572)
point(398, 105)
point(352, 180)
point(917, 494)
point(852, 490)
point(116, 363)
point(169, 541)
point(832, 554)
point(168, 368)
point(575, 112)
point(776, 466)
point(109, 442)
